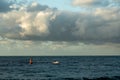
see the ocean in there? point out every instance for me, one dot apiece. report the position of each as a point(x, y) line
point(69, 68)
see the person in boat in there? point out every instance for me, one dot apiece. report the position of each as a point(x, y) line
point(30, 61)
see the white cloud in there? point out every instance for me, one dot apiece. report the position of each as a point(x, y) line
point(16, 24)
point(35, 23)
point(90, 3)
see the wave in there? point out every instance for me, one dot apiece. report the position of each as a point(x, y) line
point(67, 78)
point(99, 78)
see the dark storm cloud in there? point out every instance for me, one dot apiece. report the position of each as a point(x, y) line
point(41, 23)
point(68, 26)
point(62, 26)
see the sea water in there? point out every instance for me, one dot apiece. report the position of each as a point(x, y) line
point(69, 68)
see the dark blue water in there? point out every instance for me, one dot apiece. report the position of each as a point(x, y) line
point(70, 68)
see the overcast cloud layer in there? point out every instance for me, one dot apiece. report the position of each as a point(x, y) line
point(38, 22)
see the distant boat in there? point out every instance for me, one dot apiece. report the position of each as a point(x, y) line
point(30, 61)
point(55, 62)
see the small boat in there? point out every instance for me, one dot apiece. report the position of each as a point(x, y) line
point(56, 62)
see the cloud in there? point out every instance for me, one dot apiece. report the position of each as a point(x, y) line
point(36, 7)
point(41, 23)
point(96, 3)
point(90, 3)
point(35, 23)
point(102, 24)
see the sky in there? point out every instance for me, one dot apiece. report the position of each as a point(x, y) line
point(59, 27)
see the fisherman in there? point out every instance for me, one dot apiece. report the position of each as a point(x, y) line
point(30, 62)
